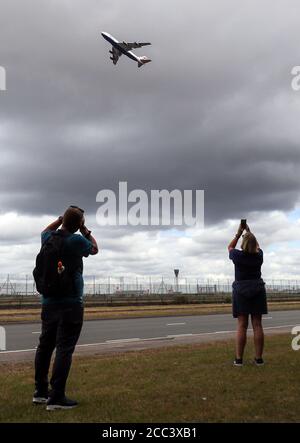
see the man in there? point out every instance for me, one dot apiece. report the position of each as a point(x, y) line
point(62, 313)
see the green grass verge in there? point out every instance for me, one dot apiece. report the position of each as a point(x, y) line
point(191, 383)
point(23, 315)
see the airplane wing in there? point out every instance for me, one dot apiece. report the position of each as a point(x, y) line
point(129, 46)
point(115, 55)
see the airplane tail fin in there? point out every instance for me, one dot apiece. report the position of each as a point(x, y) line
point(143, 60)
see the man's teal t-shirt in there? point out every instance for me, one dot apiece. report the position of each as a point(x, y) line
point(78, 246)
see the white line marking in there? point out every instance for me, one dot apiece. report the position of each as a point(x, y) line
point(112, 342)
point(175, 324)
point(147, 339)
point(179, 335)
point(267, 318)
point(156, 338)
point(121, 340)
point(92, 344)
point(228, 332)
point(278, 327)
point(38, 332)
point(19, 350)
point(214, 333)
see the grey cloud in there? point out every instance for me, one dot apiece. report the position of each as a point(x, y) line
point(194, 118)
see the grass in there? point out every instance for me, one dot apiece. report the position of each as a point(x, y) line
point(190, 383)
point(108, 312)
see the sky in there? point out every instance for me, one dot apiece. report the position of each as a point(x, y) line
point(213, 111)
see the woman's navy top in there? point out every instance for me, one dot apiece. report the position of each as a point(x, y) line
point(247, 266)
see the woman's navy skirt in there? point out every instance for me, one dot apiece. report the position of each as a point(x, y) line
point(249, 297)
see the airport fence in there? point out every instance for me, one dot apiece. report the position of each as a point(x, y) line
point(23, 286)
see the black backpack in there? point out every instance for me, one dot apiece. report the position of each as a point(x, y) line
point(54, 270)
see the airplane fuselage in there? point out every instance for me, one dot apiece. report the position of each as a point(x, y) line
point(114, 42)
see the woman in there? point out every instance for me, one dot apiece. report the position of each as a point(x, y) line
point(249, 293)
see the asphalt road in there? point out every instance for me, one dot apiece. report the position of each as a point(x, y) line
point(140, 333)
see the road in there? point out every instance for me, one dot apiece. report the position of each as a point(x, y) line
point(140, 333)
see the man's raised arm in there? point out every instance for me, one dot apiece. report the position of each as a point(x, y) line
point(87, 234)
point(54, 225)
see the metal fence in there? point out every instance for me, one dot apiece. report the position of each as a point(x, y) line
point(19, 285)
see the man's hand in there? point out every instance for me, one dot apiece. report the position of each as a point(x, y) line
point(54, 225)
point(84, 230)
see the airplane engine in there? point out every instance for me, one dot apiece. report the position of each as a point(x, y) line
point(111, 58)
point(111, 52)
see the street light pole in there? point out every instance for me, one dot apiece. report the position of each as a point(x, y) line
point(176, 272)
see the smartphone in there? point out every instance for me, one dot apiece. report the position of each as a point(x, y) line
point(243, 223)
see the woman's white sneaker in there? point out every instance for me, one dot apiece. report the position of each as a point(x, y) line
point(238, 362)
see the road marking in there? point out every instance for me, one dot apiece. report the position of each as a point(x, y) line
point(175, 324)
point(18, 350)
point(267, 318)
point(156, 338)
point(108, 342)
point(214, 333)
point(228, 332)
point(92, 344)
point(179, 335)
point(121, 340)
point(146, 339)
point(38, 332)
point(278, 327)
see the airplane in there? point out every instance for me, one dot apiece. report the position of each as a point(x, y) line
point(119, 48)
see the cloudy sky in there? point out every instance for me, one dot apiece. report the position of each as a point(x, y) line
point(214, 111)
